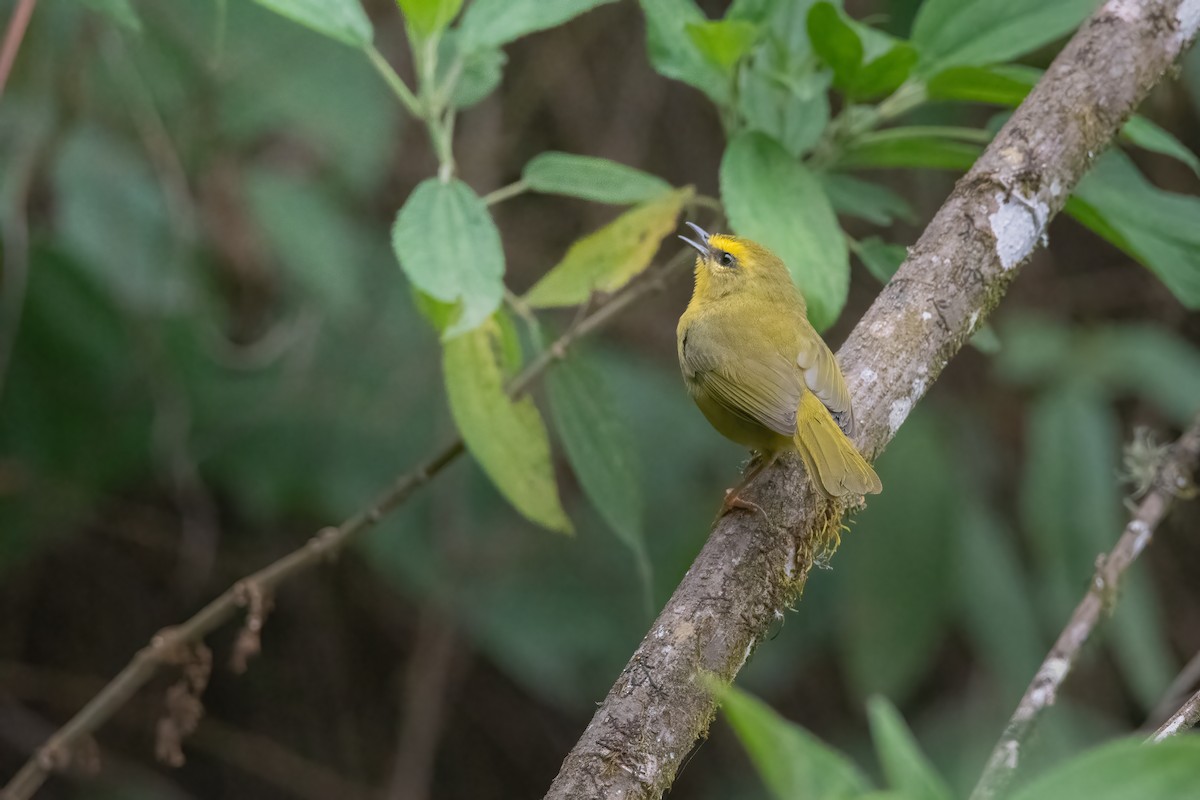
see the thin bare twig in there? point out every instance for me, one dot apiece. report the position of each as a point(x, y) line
point(753, 565)
point(322, 547)
point(254, 754)
point(1173, 478)
point(14, 34)
point(1184, 719)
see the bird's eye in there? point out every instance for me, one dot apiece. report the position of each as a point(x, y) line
point(726, 260)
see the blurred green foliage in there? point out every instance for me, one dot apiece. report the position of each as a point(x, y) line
point(210, 285)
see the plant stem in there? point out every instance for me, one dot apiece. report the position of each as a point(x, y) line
point(395, 82)
point(505, 192)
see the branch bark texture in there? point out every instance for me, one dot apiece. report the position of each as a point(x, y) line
point(1174, 477)
point(754, 565)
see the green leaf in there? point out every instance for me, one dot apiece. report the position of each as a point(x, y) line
point(111, 215)
point(119, 11)
point(1155, 227)
point(506, 437)
point(866, 63)
point(450, 249)
point(1139, 639)
point(835, 42)
point(773, 199)
point(881, 258)
point(1147, 135)
point(904, 764)
point(722, 42)
point(426, 18)
point(672, 51)
point(591, 178)
point(883, 75)
point(929, 147)
point(792, 762)
point(266, 90)
point(1071, 443)
point(318, 244)
point(792, 106)
point(1122, 770)
point(897, 582)
point(1147, 362)
point(1005, 85)
point(492, 23)
point(609, 258)
point(343, 20)
point(978, 32)
point(482, 70)
point(994, 594)
point(865, 200)
point(602, 452)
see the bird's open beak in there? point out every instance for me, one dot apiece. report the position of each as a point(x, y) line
point(702, 249)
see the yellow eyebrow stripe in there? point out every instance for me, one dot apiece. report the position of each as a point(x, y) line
point(729, 244)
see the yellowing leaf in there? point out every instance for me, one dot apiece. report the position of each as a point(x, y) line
point(609, 258)
point(506, 437)
point(427, 17)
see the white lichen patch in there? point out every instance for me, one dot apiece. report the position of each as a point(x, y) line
point(1188, 19)
point(1012, 753)
point(926, 316)
point(1055, 188)
point(1141, 532)
point(1048, 679)
point(898, 413)
point(867, 376)
point(1017, 224)
point(918, 389)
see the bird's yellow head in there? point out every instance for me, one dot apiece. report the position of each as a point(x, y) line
point(726, 264)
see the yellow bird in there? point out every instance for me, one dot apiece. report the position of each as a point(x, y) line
point(759, 371)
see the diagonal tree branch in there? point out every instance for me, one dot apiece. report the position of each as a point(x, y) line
point(755, 565)
point(1186, 717)
point(1173, 478)
point(164, 648)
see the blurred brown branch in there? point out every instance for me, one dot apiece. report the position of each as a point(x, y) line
point(755, 565)
point(253, 753)
point(1173, 479)
point(325, 545)
point(14, 34)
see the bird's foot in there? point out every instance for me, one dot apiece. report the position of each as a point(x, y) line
point(732, 501)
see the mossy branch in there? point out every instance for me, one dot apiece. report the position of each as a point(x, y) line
point(754, 565)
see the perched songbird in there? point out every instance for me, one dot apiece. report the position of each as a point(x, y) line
point(760, 372)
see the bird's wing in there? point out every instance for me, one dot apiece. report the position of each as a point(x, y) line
point(766, 392)
point(824, 379)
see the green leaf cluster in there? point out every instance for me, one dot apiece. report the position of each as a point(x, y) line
point(794, 763)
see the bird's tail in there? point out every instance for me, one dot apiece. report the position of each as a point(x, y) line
point(836, 466)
